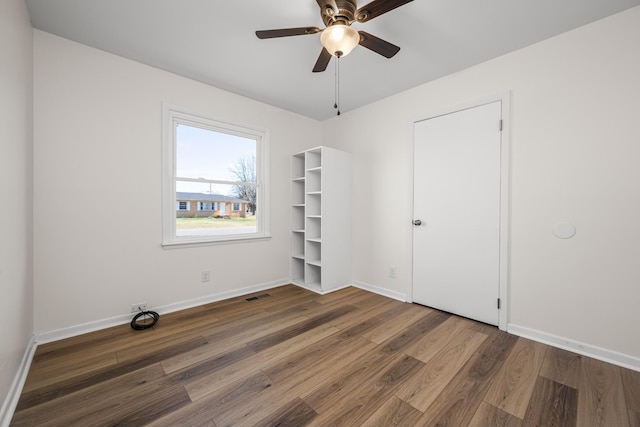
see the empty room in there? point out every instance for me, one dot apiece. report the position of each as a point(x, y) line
point(321, 213)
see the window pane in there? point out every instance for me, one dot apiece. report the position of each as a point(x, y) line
point(204, 153)
point(232, 209)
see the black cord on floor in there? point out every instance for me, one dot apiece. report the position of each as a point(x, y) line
point(144, 315)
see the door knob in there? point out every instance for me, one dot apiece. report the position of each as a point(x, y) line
point(417, 222)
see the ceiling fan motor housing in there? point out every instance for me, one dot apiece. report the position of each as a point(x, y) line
point(345, 14)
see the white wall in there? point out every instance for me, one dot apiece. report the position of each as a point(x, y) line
point(97, 181)
point(575, 148)
point(16, 286)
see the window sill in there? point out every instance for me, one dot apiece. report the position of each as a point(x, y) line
point(194, 243)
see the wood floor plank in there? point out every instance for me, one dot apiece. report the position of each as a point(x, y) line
point(409, 314)
point(297, 382)
point(601, 401)
point(211, 365)
point(212, 382)
point(231, 403)
point(552, 404)
point(512, 387)
point(342, 294)
point(360, 323)
point(421, 390)
point(394, 412)
point(234, 395)
point(407, 336)
point(631, 387)
point(157, 346)
point(218, 345)
point(489, 416)
point(460, 399)
point(430, 344)
point(562, 367)
point(284, 334)
point(368, 308)
point(111, 397)
point(79, 403)
point(87, 343)
point(369, 395)
point(62, 385)
point(342, 385)
point(329, 354)
point(45, 374)
point(294, 414)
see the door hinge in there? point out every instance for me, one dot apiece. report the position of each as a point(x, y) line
point(498, 303)
point(500, 125)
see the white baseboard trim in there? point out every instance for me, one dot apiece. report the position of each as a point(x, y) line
point(316, 290)
point(11, 400)
point(400, 296)
point(72, 331)
point(588, 350)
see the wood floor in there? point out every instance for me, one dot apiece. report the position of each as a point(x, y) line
point(294, 358)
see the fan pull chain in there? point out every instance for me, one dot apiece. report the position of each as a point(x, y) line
point(336, 104)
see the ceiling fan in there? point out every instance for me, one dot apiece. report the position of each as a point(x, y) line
point(338, 37)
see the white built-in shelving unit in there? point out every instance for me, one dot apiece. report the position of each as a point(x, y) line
point(321, 219)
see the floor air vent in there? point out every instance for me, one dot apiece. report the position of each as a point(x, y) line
point(257, 297)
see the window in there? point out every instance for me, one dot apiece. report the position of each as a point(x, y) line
point(206, 206)
point(218, 166)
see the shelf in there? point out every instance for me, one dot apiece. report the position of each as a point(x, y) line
point(321, 227)
point(314, 228)
point(313, 275)
point(314, 204)
point(313, 159)
point(297, 270)
point(298, 166)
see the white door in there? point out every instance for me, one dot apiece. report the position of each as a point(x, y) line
point(456, 233)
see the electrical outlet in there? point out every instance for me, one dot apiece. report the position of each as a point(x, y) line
point(391, 272)
point(204, 276)
point(137, 308)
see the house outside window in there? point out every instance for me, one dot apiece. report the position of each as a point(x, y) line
point(215, 175)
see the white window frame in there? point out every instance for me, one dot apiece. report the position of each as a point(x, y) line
point(173, 115)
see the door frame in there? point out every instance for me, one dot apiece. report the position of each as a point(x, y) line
point(503, 286)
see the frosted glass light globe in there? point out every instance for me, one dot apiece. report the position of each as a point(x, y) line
point(339, 39)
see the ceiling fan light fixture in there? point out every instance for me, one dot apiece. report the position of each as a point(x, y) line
point(339, 39)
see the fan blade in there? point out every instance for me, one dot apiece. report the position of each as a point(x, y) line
point(286, 32)
point(323, 61)
point(331, 3)
point(377, 8)
point(378, 45)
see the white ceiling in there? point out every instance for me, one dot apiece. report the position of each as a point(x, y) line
point(213, 41)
